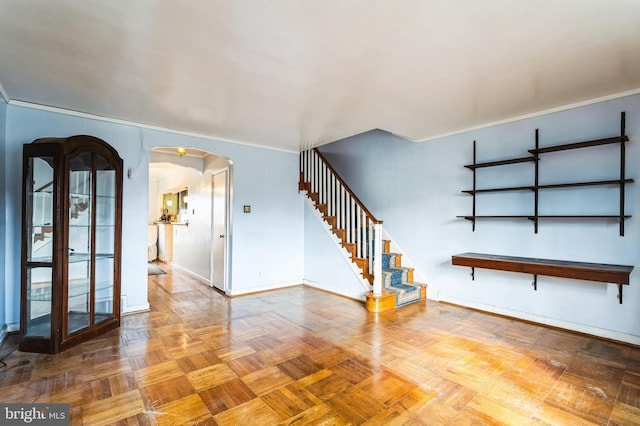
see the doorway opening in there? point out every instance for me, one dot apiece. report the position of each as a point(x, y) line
point(190, 213)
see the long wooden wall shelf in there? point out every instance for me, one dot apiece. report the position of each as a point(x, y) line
point(551, 186)
point(600, 272)
point(587, 144)
point(500, 163)
point(535, 188)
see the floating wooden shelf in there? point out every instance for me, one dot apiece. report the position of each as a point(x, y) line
point(592, 183)
point(500, 163)
point(550, 186)
point(495, 217)
point(587, 144)
point(536, 187)
point(542, 216)
point(601, 272)
point(581, 216)
point(510, 188)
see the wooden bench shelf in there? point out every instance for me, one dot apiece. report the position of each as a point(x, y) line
point(601, 272)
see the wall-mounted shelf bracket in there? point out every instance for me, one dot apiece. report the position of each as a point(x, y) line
point(620, 293)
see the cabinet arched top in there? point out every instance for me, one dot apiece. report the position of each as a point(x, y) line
point(78, 143)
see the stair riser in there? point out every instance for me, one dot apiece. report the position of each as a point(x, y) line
point(351, 248)
point(396, 280)
point(302, 186)
point(331, 220)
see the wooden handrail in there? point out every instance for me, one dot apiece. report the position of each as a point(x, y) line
point(346, 187)
point(357, 229)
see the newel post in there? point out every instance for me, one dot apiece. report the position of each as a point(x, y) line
point(377, 259)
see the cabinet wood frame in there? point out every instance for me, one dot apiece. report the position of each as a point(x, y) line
point(60, 150)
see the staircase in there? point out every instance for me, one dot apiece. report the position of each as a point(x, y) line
point(398, 279)
point(360, 233)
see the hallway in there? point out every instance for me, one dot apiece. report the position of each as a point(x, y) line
point(303, 356)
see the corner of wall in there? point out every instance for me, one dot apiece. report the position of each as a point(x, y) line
point(3, 193)
point(4, 96)
point(3, 334)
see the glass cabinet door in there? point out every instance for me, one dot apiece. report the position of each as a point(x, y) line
point(39, 246)
point(105, 239)
point(79, 264)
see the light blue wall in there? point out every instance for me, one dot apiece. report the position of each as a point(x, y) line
point(415, 188)
point(267, 244)
point(3, 115)
point(325, 267)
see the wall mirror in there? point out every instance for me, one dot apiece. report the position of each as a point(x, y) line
point(174, 204)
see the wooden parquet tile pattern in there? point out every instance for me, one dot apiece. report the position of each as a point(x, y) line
point(300, 356)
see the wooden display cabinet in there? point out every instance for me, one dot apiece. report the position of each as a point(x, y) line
point(71, 242)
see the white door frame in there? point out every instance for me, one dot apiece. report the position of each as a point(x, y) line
point(227, 235)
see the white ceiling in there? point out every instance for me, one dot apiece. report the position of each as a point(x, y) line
point(291, 73)
point(164, 162)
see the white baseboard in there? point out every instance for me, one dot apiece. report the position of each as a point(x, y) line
point(191, 274)
point(3, 334)
point(243, 291)
point(8, 328)
point(13, 326)
point(320, 286)
point(136, 309)
point(553, 322)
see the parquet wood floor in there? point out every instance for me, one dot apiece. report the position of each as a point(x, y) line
point(305, 357)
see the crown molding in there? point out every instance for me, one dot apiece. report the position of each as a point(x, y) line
point(140, 125)
point(4, 94)
point(527, 116)
point(614, 96)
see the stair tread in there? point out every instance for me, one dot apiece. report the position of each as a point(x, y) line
point(401, 268)
point(405, 286)
point(396, 279)
point(406, 293)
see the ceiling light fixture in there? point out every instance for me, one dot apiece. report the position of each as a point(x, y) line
point(181, 151)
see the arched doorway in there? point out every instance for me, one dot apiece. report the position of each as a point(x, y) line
point(190, 203)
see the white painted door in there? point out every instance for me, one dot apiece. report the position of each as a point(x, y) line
point(219, 230)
